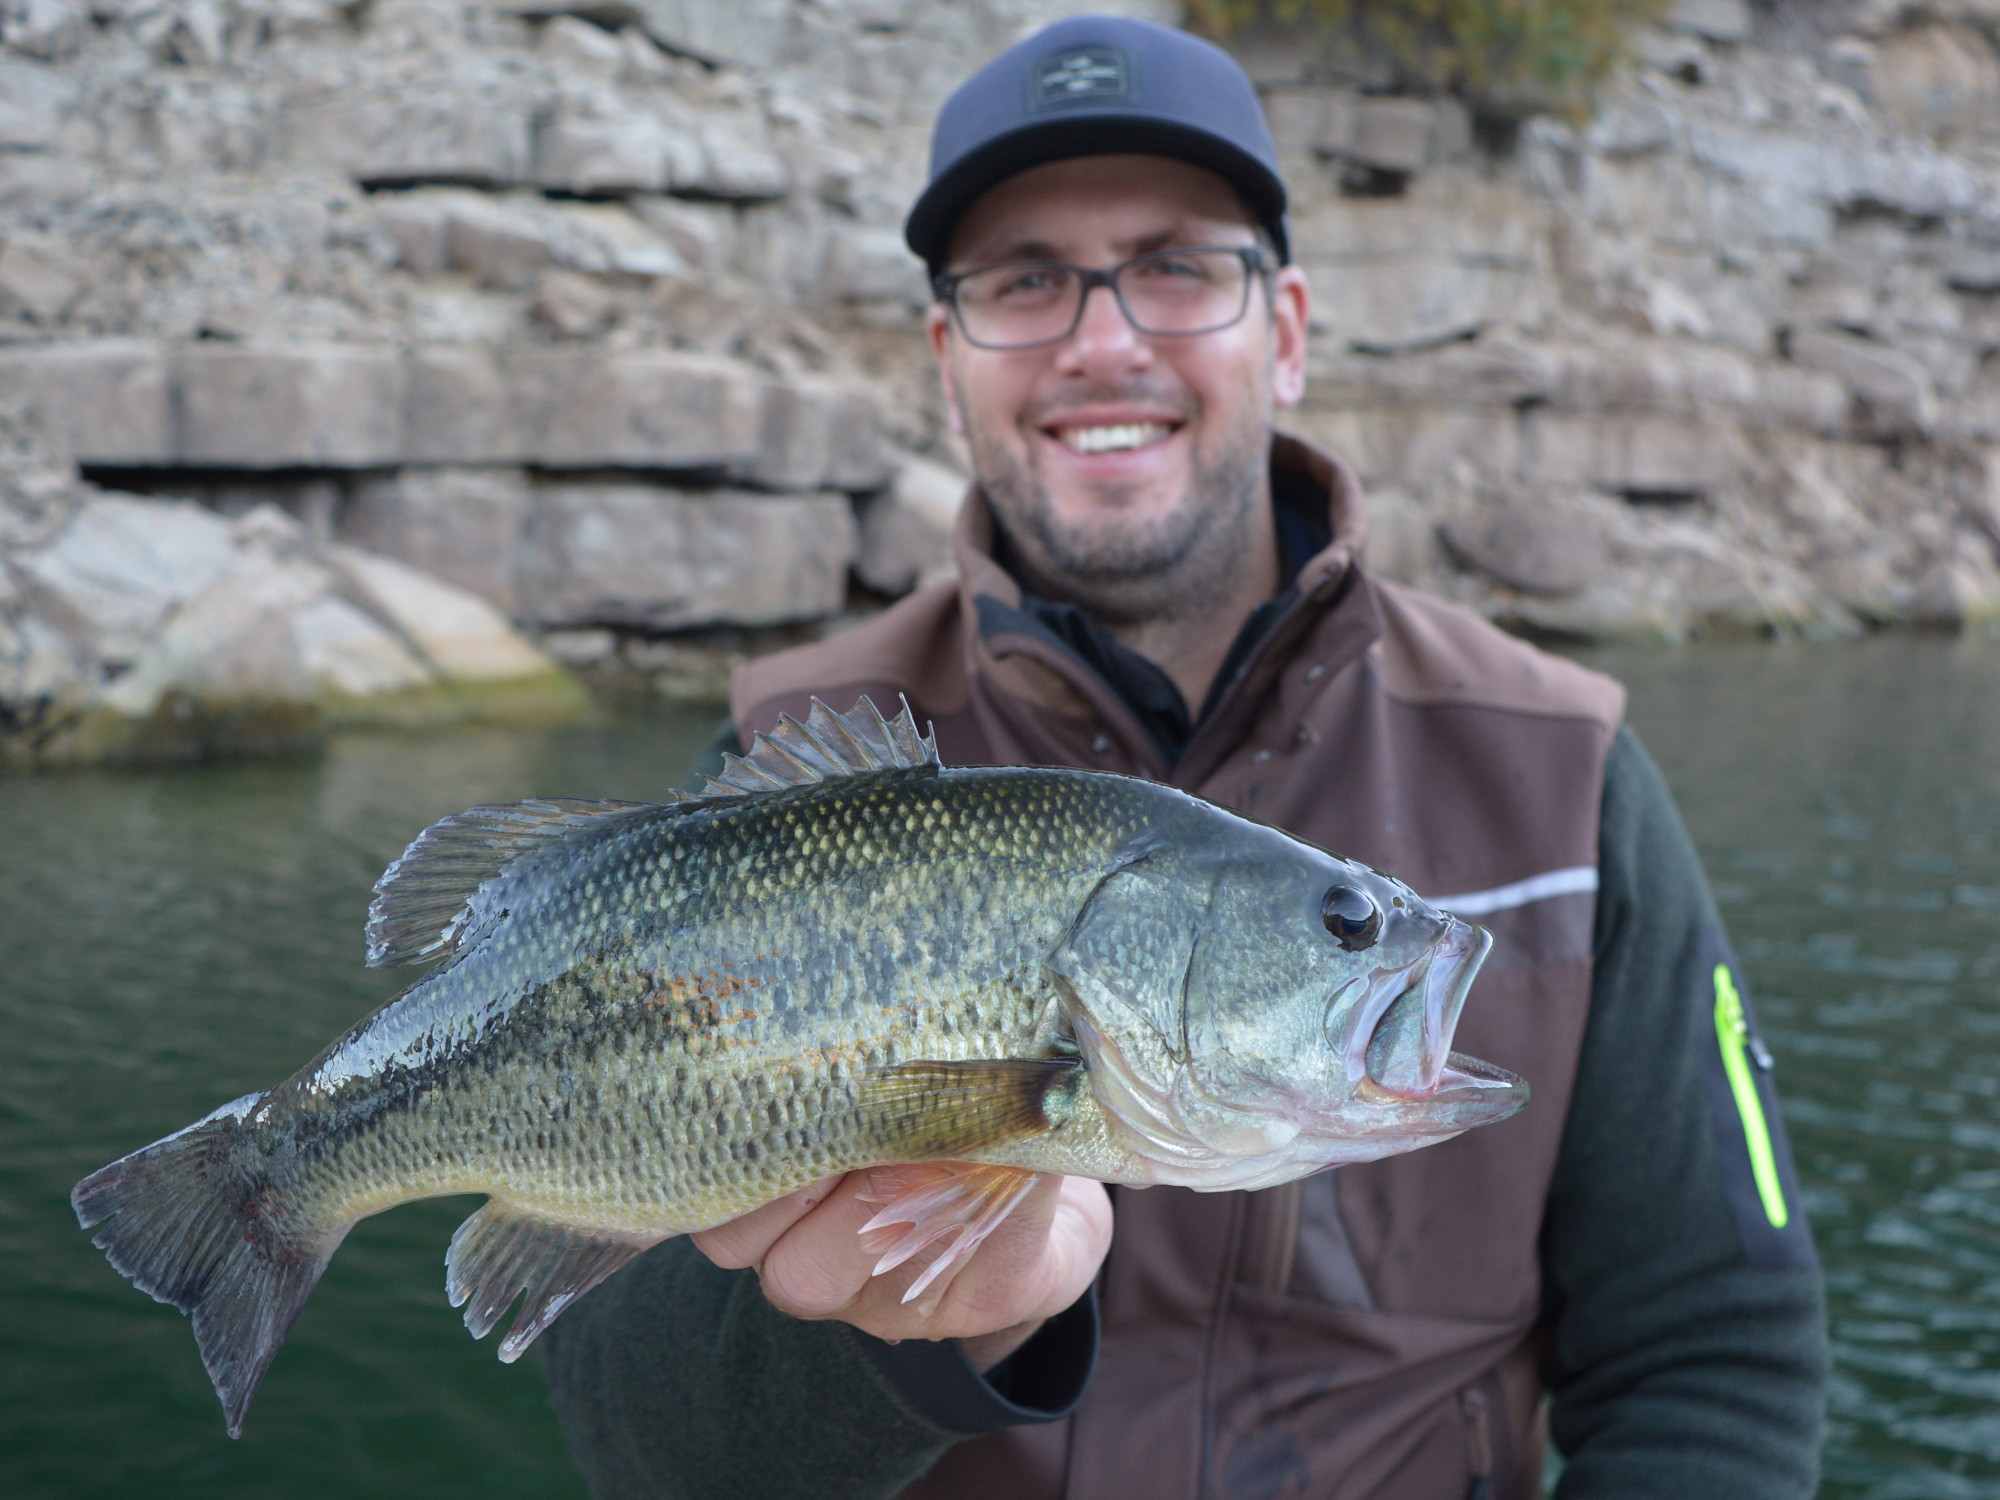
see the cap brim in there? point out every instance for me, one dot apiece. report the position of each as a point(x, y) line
point(935, 215)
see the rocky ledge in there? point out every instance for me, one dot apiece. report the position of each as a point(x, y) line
point(135, 628)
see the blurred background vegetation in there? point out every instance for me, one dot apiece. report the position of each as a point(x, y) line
point(1504, 58)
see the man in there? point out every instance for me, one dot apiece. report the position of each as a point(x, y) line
point(1152, 583)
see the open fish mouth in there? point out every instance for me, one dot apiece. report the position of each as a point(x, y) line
point(1408, 1050)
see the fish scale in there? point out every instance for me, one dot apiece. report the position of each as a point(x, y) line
point(650, 1020)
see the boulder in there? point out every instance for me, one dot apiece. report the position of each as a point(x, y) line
point(142, 629)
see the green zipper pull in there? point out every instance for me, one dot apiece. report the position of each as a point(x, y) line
point(1732, 1032)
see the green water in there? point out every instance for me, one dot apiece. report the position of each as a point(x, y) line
point(171, 939)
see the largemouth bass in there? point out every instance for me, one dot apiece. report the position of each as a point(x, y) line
point(649, 1020)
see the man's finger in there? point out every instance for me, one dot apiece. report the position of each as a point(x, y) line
point(819, 1266)
point(745, 1241)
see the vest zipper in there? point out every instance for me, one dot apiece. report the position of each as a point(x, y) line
point(1479, 1439)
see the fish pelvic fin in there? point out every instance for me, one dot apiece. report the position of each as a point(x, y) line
point(448, 884)
point(961, 1202)
point(924, 1114)
point(191, 1223)
point(503, 1252)
point(826, 747)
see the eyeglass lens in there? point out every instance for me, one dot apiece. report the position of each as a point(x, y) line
point(1168, 292)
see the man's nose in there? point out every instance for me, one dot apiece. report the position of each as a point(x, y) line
point(1104, 336)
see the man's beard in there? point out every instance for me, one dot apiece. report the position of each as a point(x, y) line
point(1122, 569)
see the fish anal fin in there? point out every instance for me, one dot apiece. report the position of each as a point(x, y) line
point(826, 747)
point(938, 1111)
point(441, 888)
point(923, 1203)
point(501, 1253)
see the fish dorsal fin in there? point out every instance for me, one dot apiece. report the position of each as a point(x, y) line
point(441, 889)
point(826, 747)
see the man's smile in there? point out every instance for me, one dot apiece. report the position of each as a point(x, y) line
point(1112, 437)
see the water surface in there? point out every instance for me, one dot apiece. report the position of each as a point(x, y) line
point(170, 939)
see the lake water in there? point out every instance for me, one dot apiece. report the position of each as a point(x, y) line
point(170, 939)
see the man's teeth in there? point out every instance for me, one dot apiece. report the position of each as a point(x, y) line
point(1111, 439)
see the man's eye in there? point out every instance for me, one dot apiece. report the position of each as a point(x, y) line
point(1173, 268)
point(1033, 282)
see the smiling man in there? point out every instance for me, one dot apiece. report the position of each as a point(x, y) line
point(1152, 581)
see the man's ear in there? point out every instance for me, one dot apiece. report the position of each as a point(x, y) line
point(1291, 317)
point(937, 328)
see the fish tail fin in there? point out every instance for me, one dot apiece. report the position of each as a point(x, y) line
point(188, 1221)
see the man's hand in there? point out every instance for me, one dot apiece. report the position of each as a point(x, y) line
point(808, 1253)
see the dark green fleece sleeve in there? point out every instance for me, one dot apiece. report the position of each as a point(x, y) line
point(676, 1380)
point(1688, 1354)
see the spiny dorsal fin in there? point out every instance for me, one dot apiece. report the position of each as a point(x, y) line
point(824, 748)
point(428, 900)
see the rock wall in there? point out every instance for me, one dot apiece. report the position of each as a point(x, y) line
point(600, 311)
point(1729, 354)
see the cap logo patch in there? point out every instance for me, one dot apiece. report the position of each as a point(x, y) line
point(1082, 75)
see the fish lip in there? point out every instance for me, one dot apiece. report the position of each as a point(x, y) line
point(1478, 1092)
point(1444, 977)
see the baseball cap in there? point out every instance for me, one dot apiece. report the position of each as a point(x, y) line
point(1089, 86)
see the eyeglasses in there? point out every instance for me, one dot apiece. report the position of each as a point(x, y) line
point(1166, 293)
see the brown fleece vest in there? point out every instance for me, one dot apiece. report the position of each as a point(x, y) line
point(1365, 1332)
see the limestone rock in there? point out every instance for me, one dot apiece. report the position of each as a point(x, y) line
point(1713, 20)
point(1554, 545)
point(116, 572)
point(1391, 134)
point(459, 525)
point(459, 637)
point(1936, 78)
point(425, 132)
point(34, 102)
point(144, 629)
point(289, 405)
point(629, 153)
point(818, 435)
point(656, 558)
point(43, 28)
point(905, 530)
point(1889, 382)
point(105, 401)
point(646, 409)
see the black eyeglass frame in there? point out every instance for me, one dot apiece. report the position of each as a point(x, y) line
point(1255, 264)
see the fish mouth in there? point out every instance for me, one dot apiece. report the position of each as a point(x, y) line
point(1407, 1052)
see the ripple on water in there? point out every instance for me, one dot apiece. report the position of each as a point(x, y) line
point(1849, 802)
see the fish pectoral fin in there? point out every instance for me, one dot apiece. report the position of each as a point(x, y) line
point(924, 1203)
point(501, 1253)
point(933, 1111)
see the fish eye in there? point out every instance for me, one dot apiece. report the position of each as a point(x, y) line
point(1352, 918)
